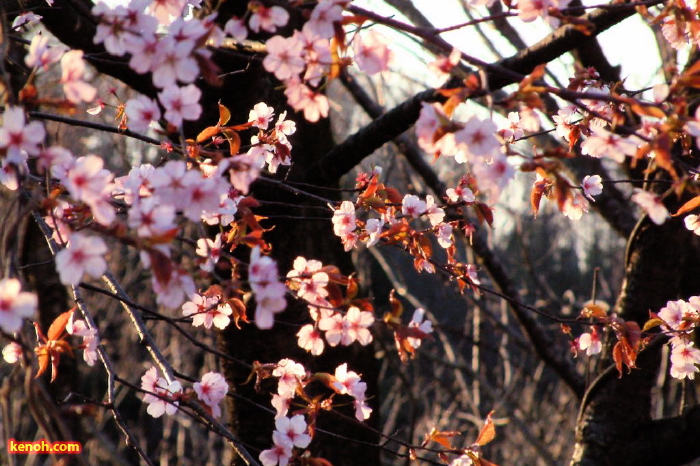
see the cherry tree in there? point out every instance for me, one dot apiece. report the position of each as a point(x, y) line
point(226, 254)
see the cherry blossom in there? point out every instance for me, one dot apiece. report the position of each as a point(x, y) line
point(478, 139)
point(283, 57)
point(26, 19)
point(592, 186)
point(302, 98)
point(15, 305)
point(604, 143)
point(269, 292)
point(181, 103)
point(210, 250)
point(324, 14)
point(85, 254)
point(652, 205)
point(374, 228)
point(175, 290)
point(211, 390)
point(166, 10)
point(309, 338)
point(141, 112)
point(443, 232)
point(73, 66)
point(684, 360)
point(460, 194)
point(575, 206)
point(590, 342)
point(290, 375)
point(40, 54)
point(344, 219)
point(162, 398)
point(173, 61)
point(443, 65)
point(358, 323)
point(90, 339)
point(418, 321)
point(267, 19)
point(309, 278)
point(372, 53)
point(513, 130)
point(279, 454)
point(434, 212)
point(18, 137)
point(207, 311)
point(261, 115)
point(12, 352)
point(349, 383)
point(236, 28)
point(150, 218)
point(336, 329)
point(87, 181)
point(294, 429)
point(493, 176)
point(412, 206)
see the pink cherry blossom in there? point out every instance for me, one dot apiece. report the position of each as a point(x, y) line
point(443, 233)
point(279, 454)
point(575, 206)
point(269, 291)
point(357, 325)
point(281, 405)
point(419, 322)
point(290, 375)
point(210, 250)
point(284, 57)
point(18, 137)
point(372, 53)
point(477, 139)
point(590, 342)
point(336, 329)
point(513, 131)
point(150, 218)
point(172, 293)
point(163, 396)
point(90, 339)
point(211, 390)
point(12, 353)
point(592, 186)
point(324, 14)
point(344, 219)
point(412, 206)
point(460, 194)
point(443, 65)
point(261, 115)
point(15, 305)
point(493, 176)
point(73, 66)
point(684, 360)
point(26, 19)
point(85, 254)
point(41, 55)
point(173, 61)
point(267, 19)
point(374, 228)
point(692, 223)
point(166, 10)
point(309, 338)
point(302, 98)
point(181, 103)
point(604, 143)
point(652, 205)
point(141, 112)
point(236, 28)
point(294, 429)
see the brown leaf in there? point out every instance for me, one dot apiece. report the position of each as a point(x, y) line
point(208, 133)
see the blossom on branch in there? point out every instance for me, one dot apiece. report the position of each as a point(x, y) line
point(85, 254)
point(15, 305)
point(163, 396)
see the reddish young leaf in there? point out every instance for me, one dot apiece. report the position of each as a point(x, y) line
point(487, 432)
point(689, 206)
point(58, 326)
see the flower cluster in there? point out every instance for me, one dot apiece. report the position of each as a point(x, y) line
point(680, 318)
